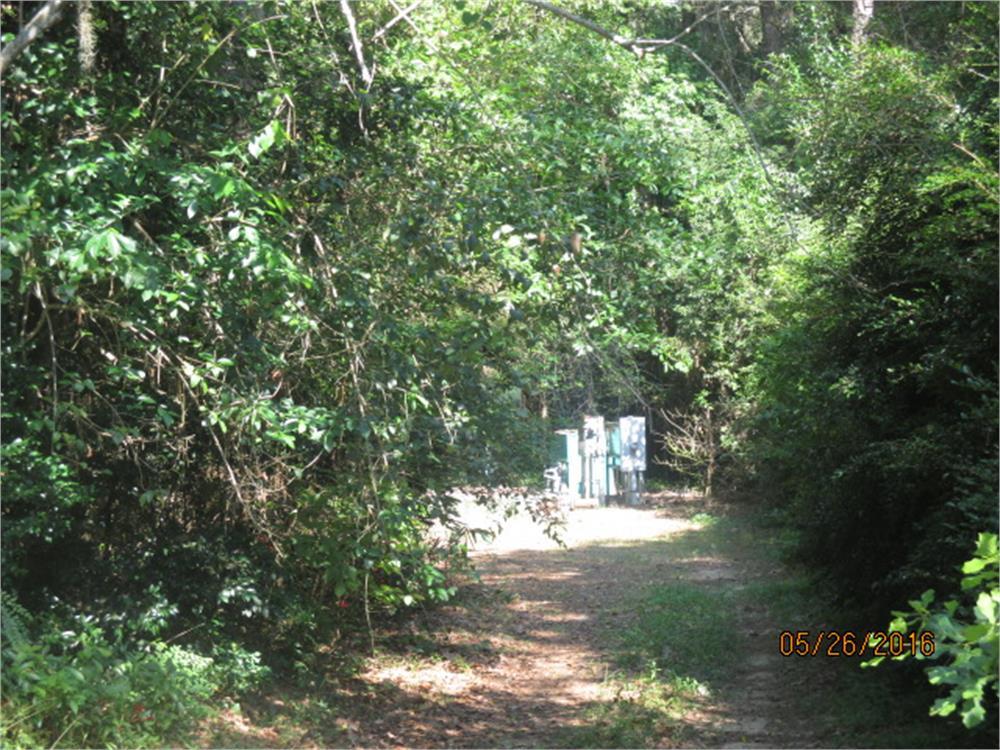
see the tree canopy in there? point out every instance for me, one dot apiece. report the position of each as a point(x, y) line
point(278, 275)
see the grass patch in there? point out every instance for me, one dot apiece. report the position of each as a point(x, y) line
point(645, 711)
point(789, 599)
point(684, 647)
point(685, 629)
point(671, 660)
point(704, 520)
point(676, 655)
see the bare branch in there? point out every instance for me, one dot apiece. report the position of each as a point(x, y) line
point(401, 15)
point(359, 53)
point(629, 44)
point(692, 445)
point(319, 20)
point(686, 30)
point(44, 18)
point(637, 47)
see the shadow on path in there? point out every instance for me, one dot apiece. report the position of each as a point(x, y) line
point(530, 656)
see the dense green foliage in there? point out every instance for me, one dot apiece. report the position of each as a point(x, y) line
point(259, 316)
point(966, 635)
point(877, 395)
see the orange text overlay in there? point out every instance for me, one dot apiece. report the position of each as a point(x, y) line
point(847, 643)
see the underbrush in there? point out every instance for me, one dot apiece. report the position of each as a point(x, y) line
point(109, 659)
point(647, 709)
point(69, 681)
point(852, 707)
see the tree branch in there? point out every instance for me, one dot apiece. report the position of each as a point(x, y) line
point(359, 54)
point(732, 100)
point(401, 15)
point(629, 44)
point(639, 47)
point(44, 18)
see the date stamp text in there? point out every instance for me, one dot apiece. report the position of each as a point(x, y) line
point(847, 643)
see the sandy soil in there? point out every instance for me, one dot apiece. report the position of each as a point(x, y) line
point(532, 657)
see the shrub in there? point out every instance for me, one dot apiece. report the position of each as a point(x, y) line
point(68, 682)
point(965, 636)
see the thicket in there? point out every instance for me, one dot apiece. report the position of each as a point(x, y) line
point(262, 308)
point(877, 395)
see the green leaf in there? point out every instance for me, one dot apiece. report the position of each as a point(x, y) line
point(974, 716)
point(986, 607)
point(273, 134)
point(330, 440)
point(986, 545)
point(972, 633)
point(943, 706)
point(282, 437)
point(974, 565)
point(119, 244)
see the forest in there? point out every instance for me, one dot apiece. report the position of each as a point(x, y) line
point(278, 276)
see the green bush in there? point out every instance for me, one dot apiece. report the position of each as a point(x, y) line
point(965, 637)
point(236, 670)
point(875, 422)
point(69, 683)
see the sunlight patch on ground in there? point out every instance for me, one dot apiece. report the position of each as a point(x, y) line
point(715, 560)
point(434, 678)
point(543, 634)
point(584, 526)
point(556, 575)
point(232, 728)
point(567, 617)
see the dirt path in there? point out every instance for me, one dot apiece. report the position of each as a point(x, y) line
point(654, 627)
point(528, 662)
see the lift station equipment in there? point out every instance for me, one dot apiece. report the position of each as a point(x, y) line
point(633, 457)
point(601, 460)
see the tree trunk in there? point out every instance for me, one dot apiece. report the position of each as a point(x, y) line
point(863, 11)
point(775, 17)
point(710, 452)
point(770, 22)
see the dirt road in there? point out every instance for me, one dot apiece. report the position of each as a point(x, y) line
point(528, 661)
point(652, 627)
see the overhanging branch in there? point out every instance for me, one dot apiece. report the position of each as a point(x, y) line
point(629, 44)
point(640, 47)
point(45, 17)
point(400, 16)
point(637, 47)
